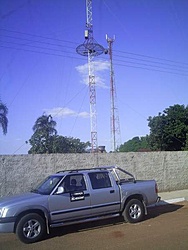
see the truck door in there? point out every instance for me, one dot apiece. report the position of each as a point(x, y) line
point(105, 196)
point(74, 203)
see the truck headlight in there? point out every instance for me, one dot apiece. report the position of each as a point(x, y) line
point(3, 212)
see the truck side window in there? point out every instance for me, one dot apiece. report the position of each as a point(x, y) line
point(73, 183)
point(100, 180)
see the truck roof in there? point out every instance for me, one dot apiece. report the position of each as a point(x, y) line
point(99, 168)
point(87, 169)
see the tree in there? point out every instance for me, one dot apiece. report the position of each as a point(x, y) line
point(168, 131)
point(63, 144)
point(186, 143)
point(3, 117)
point(42, 139)
point(45, 139)
point(135, 144)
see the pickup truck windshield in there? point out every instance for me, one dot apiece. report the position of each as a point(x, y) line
point(47, 186)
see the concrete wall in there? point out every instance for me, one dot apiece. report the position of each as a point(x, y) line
point(19, 173)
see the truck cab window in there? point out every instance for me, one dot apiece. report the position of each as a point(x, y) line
point(73, 183)
point(100, 180)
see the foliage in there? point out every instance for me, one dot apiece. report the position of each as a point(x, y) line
point(186, 143)
point(3, 117)
point(135, 144)
point(169, 130)
point(63, 144)
point(41, 140)
point(45, 139)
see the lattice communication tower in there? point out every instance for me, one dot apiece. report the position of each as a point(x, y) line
point(91, 48)
point(114, 117)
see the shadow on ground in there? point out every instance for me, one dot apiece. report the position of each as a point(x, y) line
point(153, 212)
point(158, 210)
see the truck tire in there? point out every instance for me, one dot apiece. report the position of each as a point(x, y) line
point(30, 228)
point(134, 211)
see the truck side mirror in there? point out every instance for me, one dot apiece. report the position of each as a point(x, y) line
point(60, 190)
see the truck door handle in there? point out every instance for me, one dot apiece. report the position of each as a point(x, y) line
point(112, 191)
point(86, 195)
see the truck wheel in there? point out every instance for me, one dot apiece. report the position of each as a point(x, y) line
point(134, 211)
point(30, 228)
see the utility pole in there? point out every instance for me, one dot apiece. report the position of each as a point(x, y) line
point(91, 48)
point(114, 117)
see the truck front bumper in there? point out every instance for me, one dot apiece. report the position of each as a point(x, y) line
point(7, 225)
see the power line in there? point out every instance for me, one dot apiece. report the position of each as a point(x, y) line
point(86, 93)
point(156, 62)
point(177, 68)
point(173, 67)
point(73, 57)
point(40, 52)
point(37, 41)
point(75, 43)
point(158, 58)
point(19, 147)
point(78, 93)
point(58, 50)
point(39, 36)
point(37, 47)
point(150, 65)
point(162, 71)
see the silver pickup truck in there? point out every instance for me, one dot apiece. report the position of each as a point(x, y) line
point(76, 196)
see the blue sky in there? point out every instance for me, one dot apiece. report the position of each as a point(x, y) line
point(40, 70)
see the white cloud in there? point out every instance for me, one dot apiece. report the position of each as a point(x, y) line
point(99, 67)
point(65, 112)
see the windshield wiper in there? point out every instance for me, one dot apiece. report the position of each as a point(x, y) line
point(35, 191)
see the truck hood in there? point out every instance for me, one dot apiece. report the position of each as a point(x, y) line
point(26, 198)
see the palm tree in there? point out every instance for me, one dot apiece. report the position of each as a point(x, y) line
point(44, 130)
point(46, 125)
point(3, 117)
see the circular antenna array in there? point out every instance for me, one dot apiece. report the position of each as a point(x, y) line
point(93, 49)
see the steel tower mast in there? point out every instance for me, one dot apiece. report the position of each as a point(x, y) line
point(91, 48)
point(114, 118)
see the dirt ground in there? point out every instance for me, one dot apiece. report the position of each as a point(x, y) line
point(165, 227)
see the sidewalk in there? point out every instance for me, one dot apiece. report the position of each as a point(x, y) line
point(173, 196)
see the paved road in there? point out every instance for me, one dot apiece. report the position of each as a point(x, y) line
point(165, 227)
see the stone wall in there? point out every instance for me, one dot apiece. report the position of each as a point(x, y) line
point(19, 173)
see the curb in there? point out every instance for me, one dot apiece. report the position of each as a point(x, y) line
point(175, 200)
point(167, 202)
point(171, 201)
